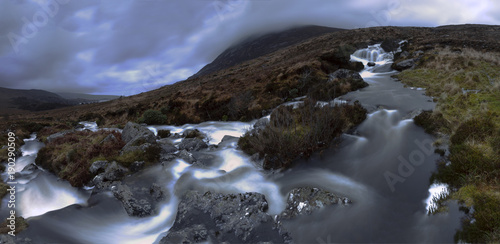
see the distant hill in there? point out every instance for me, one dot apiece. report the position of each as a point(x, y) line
point(259, 46)
point(14, 100)
point(86, 98)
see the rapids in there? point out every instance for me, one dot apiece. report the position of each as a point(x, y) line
point(384, 168)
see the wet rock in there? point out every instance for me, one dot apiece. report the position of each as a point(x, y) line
point(167, 157)
point(193, 133)
point(134, 203)
point(227, 140)
point(344, 74)
point(114, 172)
point(137, 166)
point(167, 148)
point(203, 159)
point(232, 218)
point(186, 156)
point(156, 192)
point(403, 65)
point(58, 134)
point(371, 64)
point(30, 167)
point(98, 166)
point(305, 200)
point(192, 144)
point(135, 131)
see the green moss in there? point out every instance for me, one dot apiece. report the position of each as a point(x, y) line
point(150, 155)
point(432, 123)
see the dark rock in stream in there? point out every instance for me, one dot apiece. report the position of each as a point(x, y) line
point(305, 200)
point(137, 202)
point(98, 166)
point(186, 156)
point(345, 74)
point(232, 218)
point(30, 167)
point(192, 144)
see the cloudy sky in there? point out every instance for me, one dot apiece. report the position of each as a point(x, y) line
point(124, 47)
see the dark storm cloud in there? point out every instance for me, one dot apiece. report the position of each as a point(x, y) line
point(125, 47)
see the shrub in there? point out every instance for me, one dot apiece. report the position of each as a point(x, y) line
point(70, 156)
point(294, 133)
point(153, 117)
point(432, 123)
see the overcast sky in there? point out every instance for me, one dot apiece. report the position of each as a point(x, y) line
point(125, 47)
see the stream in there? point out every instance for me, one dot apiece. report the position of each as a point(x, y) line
point(384, 168)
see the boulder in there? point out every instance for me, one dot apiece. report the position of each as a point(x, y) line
point(192, 144)
point(98, 166)
point(134, 205)
point(109, 138)
point(58, 134)
point(231, 218)
point(167, 148)
point(133, 131)
point(193, 133)
point(403, 65)
point(114, 172)
point(371, 64)
point(344, 74)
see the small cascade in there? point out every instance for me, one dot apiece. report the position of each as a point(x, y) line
point(374, 54)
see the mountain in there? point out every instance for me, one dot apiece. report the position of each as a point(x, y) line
point(15, 100)
point(261, 45)
point(250, 88)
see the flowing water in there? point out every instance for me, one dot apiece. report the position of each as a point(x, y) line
point(384, 168)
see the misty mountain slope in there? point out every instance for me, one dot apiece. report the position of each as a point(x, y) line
point(259, 46)
point(265, 81)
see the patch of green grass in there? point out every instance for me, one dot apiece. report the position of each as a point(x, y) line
point(472, 119)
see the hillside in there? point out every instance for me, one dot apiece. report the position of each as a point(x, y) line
point(246, 90)
point(18, 101)
point(255, 47)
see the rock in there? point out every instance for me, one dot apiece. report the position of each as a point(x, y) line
point(193, 133)
point(186, 156)
point(203, 159)
point(114, 172)
point(231, 218)
point(356, 66)
point(405, 64)
point(191, 144)
point(109, 138)
point(227, 140)
point(418, 53)
point(135, 206)
point(344, 74)
point(137, 166)
point(58, 134)
point(167, 148)
point(389, 45)
point(305, 200)
point(133, 131)
point(30, 167)
point(371, 64)
point(156, 192)
point(98, 167)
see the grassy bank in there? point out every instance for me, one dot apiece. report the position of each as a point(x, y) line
point(466, 86)
point(70, 156)
point(297, 133)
